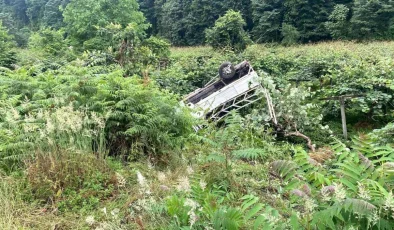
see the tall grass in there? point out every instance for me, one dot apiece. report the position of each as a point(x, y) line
point(11, 204)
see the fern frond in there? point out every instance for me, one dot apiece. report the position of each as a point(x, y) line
point(283, 169)
point(227, 218)
point(250, 154)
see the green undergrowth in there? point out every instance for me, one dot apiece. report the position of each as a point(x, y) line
point(83, 147)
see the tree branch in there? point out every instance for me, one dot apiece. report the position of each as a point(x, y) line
point(298, 134)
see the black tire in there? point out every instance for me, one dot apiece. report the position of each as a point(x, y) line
point(226, 70)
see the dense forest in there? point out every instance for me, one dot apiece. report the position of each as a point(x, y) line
point(183, 22)
point(95, 134)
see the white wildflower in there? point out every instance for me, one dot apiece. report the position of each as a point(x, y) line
point(40, 114)
point(191, 203)
point(192, 218)
point(28, 128)
point(389, 202)
point(142, 204)
point(144, 187)
point(183, 184)
point(161, 177)
point(61, 120)
point(271, 219)
point(192, 215)
point(33, 128)
point(340, 192)
point(189, 170)
point(50, 127)
point(363, 193)
point(99, 121)
point(90, 220)
point(29, 118)
point(373, 218)
point(121, 180)
point(310, 205)
point(141, 179)
point(69, 120)
point(104, 210)
point(325, 195)
point(15, 114)
point(203, 184)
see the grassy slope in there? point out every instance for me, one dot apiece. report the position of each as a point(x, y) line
point(362, 50)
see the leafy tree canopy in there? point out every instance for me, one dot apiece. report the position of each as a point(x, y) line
point(84, 17)
point(183, 22)
point(228, 32)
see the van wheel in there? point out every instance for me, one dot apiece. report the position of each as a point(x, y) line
point(226, 70)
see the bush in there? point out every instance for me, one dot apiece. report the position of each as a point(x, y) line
point(290, 35)
point(228, 32)
point(159, 47)
point(50, 41)
point(85, 105)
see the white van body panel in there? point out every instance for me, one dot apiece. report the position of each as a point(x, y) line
point(234, 89)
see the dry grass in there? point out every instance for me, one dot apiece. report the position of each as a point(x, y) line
point(47, 174)
point(16, 214)
point(51, 173)
point(11, 204)
point(322, 154)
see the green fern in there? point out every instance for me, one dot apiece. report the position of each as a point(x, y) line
point(250, 154)
point(283, 169)
point(227, 218)
point(250, 207)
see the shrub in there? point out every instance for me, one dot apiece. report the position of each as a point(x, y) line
point(50, 41)
point(290, 34)
point(90, 112)
point(228, 32)
point(159, 47)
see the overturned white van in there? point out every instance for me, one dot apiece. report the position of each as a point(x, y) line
point(235, 88)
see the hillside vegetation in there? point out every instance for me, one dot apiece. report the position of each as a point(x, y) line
point(93, 134)
point(83, 147)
